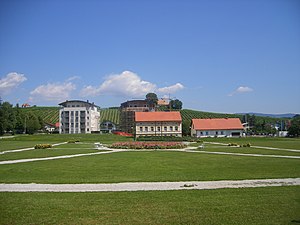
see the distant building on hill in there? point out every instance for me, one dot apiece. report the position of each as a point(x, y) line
point(218, 127)
point(158, 124)
point(78, 117)
point(127, 113)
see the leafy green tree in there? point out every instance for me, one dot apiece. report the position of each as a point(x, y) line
point(32, 123)
point(175, 104)
point(152, 99)
point(7, 118)
point(294, 129)
point(186, 131)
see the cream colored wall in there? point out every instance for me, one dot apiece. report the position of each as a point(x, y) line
point(156, 126)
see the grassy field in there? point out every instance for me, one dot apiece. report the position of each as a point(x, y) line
point(272, 205)
point(26, 141)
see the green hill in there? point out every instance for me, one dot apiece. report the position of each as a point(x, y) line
point(50, 115)
point(110, 114)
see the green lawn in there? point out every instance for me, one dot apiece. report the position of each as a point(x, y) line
point(41, 153)
point(247, 150)
point(288, 143)
point(149, 166)
point(27, 141)
point(249, 206)
point(271, 205)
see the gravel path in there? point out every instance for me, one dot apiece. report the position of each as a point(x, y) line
point(148, 186)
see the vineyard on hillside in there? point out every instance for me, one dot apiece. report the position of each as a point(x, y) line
point(188, 115)
point(110, 114)
point(48, 114)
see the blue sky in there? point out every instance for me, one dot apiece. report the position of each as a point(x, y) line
point(213, 55)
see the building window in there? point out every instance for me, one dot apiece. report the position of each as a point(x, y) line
point(222, 132)
point(152, 129)
point(217, 132)
point(158, 128)
point(141, 129)
point(176, 128)
point(206, 132)
point(165, 128)
point(146, 129)
point(171, 128)
point(201, 133)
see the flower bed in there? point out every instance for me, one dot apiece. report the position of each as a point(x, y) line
point(148, 145)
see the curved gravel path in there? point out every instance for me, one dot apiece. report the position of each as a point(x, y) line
point(149, 186)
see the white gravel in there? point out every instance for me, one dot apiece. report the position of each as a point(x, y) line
point(148, 186)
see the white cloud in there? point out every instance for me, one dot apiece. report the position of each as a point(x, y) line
point(10, 82)
point(171, 89)
point(240, 90)
point(52, 92)
point(126, 84)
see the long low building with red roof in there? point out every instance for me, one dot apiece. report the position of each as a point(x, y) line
point(158, 124)
point(218, 127)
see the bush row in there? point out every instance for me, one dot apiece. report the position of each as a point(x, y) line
point(73, 141)
point(42, 146)
point(237, 145)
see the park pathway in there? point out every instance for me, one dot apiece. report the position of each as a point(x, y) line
point(149, 186)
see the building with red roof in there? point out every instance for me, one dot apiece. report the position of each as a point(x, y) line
point(158, 124)
point(217, 127)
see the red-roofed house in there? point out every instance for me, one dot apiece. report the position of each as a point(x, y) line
point(158, 124)
point(219, 127)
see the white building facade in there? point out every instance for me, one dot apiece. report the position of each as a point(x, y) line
point(76, 117)
point(158, 124)
point(218, 127)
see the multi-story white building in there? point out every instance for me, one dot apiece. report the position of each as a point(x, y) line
point(158, 124)
point(77, 116)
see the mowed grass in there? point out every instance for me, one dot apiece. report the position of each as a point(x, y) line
point(248, 150)
point(26, 141)
point(250, 206)
point(275, 142)
point(68, 149)
point(149, 166)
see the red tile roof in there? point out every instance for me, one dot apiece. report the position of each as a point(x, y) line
point(157, 116)
point(217, 124)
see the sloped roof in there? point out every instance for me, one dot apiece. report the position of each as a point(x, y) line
point(163, 102)
point(217, 124)
point(157, 116)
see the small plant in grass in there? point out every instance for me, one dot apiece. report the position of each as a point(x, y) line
point(42, 146)
point(241, 145)
point(73, 141)
point(233, 144)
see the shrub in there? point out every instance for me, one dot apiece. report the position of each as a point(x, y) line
point(42, 146)
point(73, 141)
point(237, 145)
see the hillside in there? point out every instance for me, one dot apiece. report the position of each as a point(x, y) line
point(50, 115)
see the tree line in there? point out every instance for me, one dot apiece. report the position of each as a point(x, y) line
point(15, 121)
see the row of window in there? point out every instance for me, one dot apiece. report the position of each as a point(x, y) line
point(76, 124)
point(216, 133)
point(165, 128)
point(82, 113)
